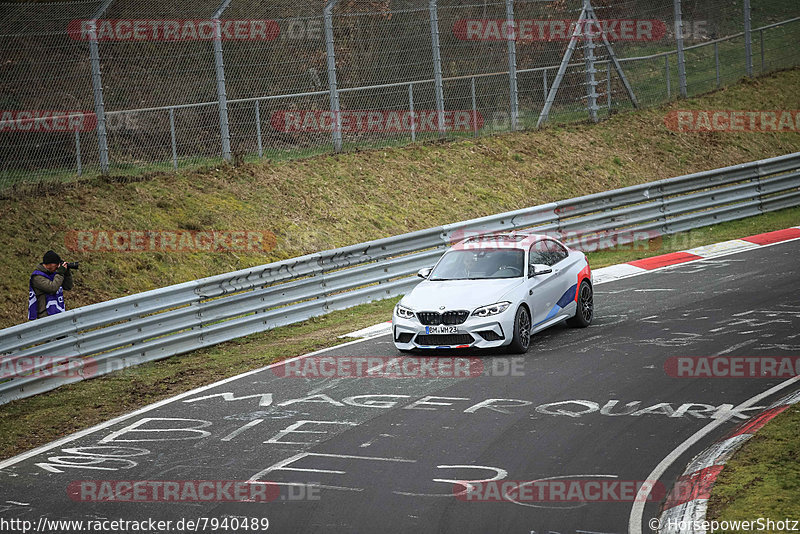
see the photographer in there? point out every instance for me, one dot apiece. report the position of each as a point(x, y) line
point(47, 285)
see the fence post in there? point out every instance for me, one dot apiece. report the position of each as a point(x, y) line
point(437, 65)
point(748, 39)
point(666, 76)
point(761, 34)
point(412, 117)
point(608, 86)
point(716, 61)
point(172, 136)
point(97, 86)
point(512, 64)
point(332, 84)
point(679, 40)
point(222, 96)
point(258, 130)
point(78, 150)
point(588, 55)
point(544, 83)
point(474, 106)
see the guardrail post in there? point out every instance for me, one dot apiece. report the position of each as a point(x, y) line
point(512, 65)
point(437, 65)
point(332, 84)
point(748, 39)
point(222, 96)
point(258, 130)
point(679, 41)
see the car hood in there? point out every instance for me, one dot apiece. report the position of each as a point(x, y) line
point(458, 294)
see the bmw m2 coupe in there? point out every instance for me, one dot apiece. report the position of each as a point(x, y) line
point(495, 290)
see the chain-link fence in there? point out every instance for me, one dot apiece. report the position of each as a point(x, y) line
point(124, 86)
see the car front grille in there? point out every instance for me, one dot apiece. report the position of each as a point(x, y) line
point(444, 339)
point(432, 318)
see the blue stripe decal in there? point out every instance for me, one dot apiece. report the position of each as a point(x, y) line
point(567, 297)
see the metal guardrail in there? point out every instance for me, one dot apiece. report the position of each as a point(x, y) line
point(108, 336)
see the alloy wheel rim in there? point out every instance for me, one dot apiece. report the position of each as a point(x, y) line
point(525, 329)
point(586, 303)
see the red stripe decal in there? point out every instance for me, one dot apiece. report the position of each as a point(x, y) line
point(773, 237)
point(694, 486)
point(664, 260)
point(754, 425)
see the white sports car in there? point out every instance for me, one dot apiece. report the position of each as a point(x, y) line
point(495, 290)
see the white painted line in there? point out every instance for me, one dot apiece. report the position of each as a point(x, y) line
point(615, 272)
point(379, 329)
point(717, 249)
point(637, 511)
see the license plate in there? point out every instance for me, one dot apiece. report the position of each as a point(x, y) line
point(441, 330)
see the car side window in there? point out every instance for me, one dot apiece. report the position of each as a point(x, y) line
point(556, 252)
point(538, 254)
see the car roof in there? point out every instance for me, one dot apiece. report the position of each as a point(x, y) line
point(504, 240)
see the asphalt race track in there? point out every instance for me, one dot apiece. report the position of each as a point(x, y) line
point(390, 464)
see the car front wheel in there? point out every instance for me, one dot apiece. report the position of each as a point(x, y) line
point(522, 332)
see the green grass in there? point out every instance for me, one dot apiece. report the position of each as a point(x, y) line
point(762, 480)
point(34, 421)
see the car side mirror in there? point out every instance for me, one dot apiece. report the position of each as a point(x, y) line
point(424, 272)
point(538, 268)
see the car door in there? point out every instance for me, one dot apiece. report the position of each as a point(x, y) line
point(544, 290)
point(564, 273)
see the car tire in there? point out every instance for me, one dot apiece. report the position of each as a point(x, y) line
point(522, 332)
point(585, 310)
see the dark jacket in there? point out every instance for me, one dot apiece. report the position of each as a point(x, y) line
point(43, 286)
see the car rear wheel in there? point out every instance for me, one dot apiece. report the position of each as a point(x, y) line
point(585, 311)
point(522, 332)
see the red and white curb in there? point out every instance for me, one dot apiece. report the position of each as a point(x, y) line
point(633, 268)
point(684, 511)
point(624, 270)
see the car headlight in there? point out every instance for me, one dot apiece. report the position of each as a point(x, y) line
point(403, 312)
point(492, 309)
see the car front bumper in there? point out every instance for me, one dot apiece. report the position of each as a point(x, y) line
point(478, 332)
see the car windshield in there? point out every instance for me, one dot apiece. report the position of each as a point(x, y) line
point(479, 265)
